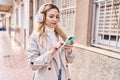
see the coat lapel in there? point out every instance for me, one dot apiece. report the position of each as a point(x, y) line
point(47, 44)
point(61, 51)
point(62, 56)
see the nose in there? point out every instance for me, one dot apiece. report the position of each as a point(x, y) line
point(55, 19)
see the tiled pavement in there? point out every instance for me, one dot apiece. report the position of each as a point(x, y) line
point(13, 60)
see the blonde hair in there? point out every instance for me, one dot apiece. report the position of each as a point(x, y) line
point(41, 25)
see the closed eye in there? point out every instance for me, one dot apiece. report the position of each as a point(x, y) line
point(52, 16)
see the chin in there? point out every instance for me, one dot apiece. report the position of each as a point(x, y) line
point(55, 25)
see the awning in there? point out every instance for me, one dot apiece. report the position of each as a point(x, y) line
point(5, 5)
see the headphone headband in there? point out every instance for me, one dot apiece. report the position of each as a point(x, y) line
point(42, 7)
point(40, 17)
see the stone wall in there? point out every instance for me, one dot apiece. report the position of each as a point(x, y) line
point(94, 66)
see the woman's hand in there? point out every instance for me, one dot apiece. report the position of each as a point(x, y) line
point(68, 48)
point(56, 48)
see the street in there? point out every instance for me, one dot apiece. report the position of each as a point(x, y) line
point(13, 60)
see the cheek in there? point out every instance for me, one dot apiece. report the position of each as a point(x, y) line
point(48, 19)
point(59, 20)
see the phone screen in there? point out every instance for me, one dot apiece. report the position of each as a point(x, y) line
point(69, 39)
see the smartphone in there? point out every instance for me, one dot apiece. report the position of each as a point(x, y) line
point(69, 40)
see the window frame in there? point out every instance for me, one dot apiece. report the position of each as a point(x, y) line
point(95, 26)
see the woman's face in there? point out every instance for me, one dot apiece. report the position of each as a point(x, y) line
point(52, 18)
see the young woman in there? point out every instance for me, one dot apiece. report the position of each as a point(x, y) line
point(45, 54)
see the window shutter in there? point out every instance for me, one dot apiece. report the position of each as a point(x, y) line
point(107, 24)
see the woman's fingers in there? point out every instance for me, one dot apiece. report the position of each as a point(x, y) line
point(58, 45)
point(68, 48)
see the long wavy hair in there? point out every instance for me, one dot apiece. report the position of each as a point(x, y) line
point(41, 25)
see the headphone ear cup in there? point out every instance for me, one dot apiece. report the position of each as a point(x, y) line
point(40, 17)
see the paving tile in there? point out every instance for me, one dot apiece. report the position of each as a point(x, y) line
point(13, 60)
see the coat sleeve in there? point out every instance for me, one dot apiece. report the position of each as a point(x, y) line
point(70, 57)
point(35, 58)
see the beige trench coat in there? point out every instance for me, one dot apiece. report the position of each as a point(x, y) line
point(41, 61)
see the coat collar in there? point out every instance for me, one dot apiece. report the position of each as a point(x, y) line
point(45, 42)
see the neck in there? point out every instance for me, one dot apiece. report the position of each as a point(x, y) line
point(49, 29)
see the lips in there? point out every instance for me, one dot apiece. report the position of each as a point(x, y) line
point(54, 23)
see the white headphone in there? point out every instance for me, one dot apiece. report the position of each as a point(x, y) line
point(40, 16)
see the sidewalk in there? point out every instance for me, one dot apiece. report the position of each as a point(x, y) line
point(13, 60)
